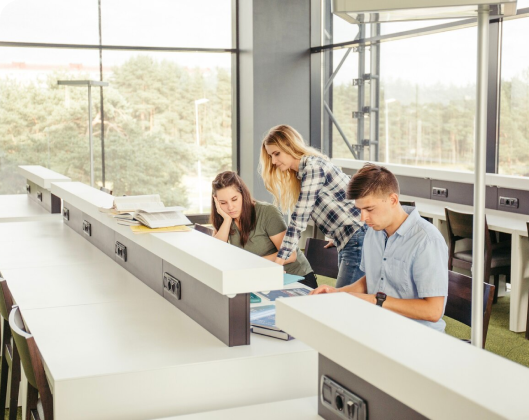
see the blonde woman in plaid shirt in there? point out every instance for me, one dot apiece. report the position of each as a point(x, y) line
point(304, 182)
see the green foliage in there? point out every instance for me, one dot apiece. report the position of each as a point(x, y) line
point(149, 128)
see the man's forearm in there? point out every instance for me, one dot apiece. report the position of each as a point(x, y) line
point(360, 286)
point(428, 309)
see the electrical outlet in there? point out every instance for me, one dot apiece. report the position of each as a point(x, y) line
point(39, 195)
point(65, 213)
point(509, 202)
point(342, 402)
point(87, 228)
point(172, 285)
point(28, 188)
point(440, 192)
point(121, 251)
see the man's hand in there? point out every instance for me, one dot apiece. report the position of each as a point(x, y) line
point(323, 289)
point(368, 298)
point(329, 244)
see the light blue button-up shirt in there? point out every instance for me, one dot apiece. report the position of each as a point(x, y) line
point(412, 264)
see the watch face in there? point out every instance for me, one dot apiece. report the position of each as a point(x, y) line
point(381, 295)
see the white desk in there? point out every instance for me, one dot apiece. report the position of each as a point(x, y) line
point(18, 207)
point(299, 409)
point(114, 349)
point(511, 223)
point(432, 373)
point(41, 176)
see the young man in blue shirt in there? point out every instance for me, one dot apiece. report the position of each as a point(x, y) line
point(405, 258)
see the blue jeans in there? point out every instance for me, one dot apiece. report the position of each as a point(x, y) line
point(349, 259)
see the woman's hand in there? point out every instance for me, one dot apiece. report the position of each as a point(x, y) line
point(221, 212)
point(329, 244)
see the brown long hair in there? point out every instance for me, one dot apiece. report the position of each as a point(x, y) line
point(247, 219)
point(284, 186)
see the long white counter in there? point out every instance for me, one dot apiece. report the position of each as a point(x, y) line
point(434, 374)
point(119, 350)
point(222, 267)
point(19, 207)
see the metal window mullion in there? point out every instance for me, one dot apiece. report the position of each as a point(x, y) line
point(494, 95)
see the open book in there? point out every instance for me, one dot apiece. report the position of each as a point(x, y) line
point(162, 217)
point(132, 203)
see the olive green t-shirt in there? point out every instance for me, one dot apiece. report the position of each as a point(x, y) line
point(269, 222)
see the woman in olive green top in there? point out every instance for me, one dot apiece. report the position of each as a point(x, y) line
point(252, 225)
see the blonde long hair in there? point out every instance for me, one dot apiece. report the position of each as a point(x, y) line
point(284, 186)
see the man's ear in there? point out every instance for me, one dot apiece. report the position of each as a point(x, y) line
point(394, 199)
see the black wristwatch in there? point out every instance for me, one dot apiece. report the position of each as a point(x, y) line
point(381, 297)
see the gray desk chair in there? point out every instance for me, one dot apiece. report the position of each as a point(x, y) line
point(407, 203)
point(497, 255)
point(323, 261)
point(459, 302)
point(36, 408)
point(10, 358)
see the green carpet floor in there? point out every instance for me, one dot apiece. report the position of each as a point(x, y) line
point(500, 340)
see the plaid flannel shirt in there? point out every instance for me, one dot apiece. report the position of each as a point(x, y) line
point(322, 198)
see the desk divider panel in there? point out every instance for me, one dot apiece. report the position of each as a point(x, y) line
point(226, 318)
point(141, 263)
point(380, 406)
point(98, 234)
point(43, 197)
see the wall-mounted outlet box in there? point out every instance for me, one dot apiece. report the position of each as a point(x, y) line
point(440, 192)
point(65, 213)
point(121, 251)
point(87, 228)
point(39, 195)
point(342, 402)
point(509, 202)
point(172, 285)
point(28, 188)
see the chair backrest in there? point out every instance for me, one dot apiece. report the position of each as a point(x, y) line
point(407, 203)
point(201, 219)
point(6, 299)
point(459, 302)
point(323, 261)
point(204, 229)
point(106, 190)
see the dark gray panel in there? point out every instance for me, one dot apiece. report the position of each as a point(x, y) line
point(380, 405)
point(417, 187)
point(33, 195)
point(457, 192)
point(76, 217)
point(102, 236)
point(142, 264)
point(225, 318)
point(349, 171)
point(523, 200)
point(491, 197)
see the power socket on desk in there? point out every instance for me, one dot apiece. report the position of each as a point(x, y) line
point(509, 202)
point(440, 192)
point(121, 251)
point(172, 285)
point(341, 401)
point(87, 228)
point(65, 213)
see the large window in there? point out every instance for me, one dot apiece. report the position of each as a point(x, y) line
point(166, 114)
point(514, 109)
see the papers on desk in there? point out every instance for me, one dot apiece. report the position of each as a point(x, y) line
point(278, 294)
point(263, 322)
point(291, 278)
point(131, 203)
point(146, 229)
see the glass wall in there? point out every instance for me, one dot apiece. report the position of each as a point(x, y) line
point(513, 144)
point(166, 115)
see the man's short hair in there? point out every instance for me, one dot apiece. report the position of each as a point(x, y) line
point(372, 179)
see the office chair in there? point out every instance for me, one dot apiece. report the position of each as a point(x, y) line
point(10, 357)
point(204, 229)
point(201, 219)
point(497, 255)
point(36, 408)
point(459, 301)
point(323, 261)
point(407, 203)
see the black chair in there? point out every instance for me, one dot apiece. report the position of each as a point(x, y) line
point(459, 302)
point(323, 261)
point(407, 203)
point(201, 219)
point(204, 229)
point(497, 255)
point(10, 358)
point(36, 408)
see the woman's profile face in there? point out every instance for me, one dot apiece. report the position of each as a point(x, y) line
point(230, 200)
point(281, 160)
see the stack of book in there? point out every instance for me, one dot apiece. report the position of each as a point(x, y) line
point(148, 210)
